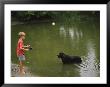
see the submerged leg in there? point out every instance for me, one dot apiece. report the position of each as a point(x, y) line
point(21, 65)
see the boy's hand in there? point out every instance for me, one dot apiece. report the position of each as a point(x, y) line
point(28, 45)
point(26, 49)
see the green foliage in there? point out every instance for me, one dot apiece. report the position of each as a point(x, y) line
point(56, 15)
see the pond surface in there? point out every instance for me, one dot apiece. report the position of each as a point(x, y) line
point(73, 38)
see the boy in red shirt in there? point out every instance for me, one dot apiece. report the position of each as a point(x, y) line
point(20, 51)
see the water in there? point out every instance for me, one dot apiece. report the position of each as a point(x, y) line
point(73, 38)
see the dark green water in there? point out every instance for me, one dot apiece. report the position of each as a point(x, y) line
point(73, 38)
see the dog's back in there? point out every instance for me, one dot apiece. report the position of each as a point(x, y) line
point(76, 59)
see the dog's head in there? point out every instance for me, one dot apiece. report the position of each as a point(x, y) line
point(60, 55)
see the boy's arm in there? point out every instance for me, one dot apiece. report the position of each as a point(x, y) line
point(26, 49)
point(23, 48)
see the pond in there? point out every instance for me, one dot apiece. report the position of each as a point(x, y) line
point(81, 38)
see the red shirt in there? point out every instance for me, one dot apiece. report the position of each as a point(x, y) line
point(20, 45)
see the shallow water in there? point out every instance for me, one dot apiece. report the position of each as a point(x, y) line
point(73, 38)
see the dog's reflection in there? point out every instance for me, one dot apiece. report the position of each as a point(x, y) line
point(69, 70)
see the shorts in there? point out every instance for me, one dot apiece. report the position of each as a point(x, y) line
point(21, 58)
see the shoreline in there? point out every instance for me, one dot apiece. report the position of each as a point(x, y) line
point(29, 22)
point(15, 71)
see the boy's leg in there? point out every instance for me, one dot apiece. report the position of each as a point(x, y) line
point(21, 63)
point(21, 67)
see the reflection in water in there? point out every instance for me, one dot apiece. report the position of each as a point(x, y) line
point(81, 34)
point(74, 33)
point(62, 31)
point(88, 66)
point(69, 70)
point(71, 33)
point(77, 34)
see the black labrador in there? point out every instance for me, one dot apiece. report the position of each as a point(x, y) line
point(66, 59)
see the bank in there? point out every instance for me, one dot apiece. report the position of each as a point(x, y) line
point(15, 71)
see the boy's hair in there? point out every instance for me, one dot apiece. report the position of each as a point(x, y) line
point(21, 34)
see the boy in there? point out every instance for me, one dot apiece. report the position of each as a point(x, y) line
point(20, 51)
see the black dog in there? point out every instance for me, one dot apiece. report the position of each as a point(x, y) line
point(66, 59)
